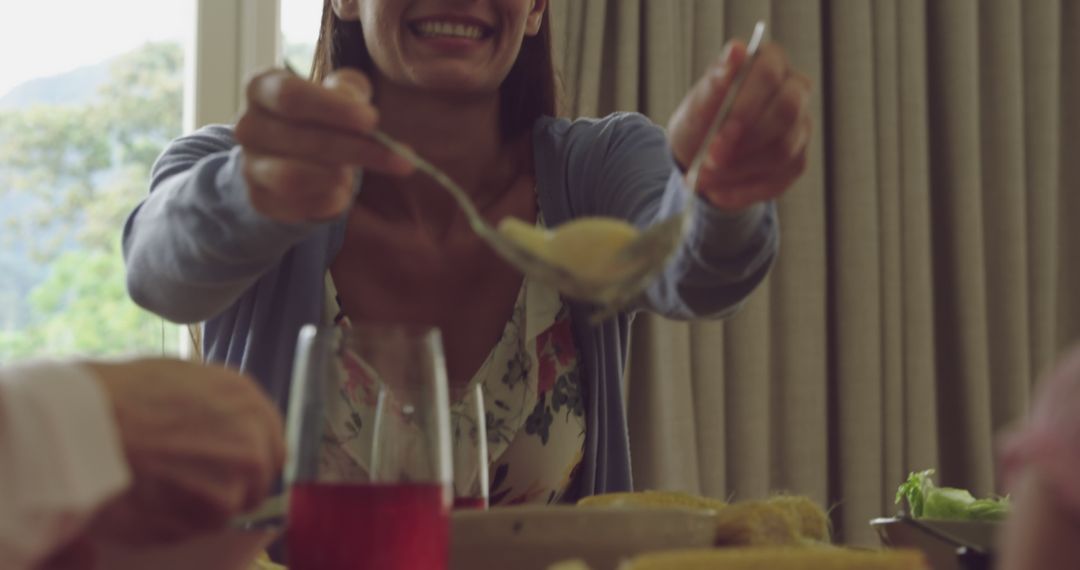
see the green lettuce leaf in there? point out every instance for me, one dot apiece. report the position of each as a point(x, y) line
point(947, 503)
point(989, 509)
point(914, 491)
point(926, 500)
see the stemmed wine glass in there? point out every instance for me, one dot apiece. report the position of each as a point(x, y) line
point(370, 468)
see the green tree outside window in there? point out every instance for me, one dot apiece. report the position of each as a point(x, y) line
point(70, 173)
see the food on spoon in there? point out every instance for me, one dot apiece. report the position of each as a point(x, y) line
point(780, 559)
point(528, 236)
point(586, 247)
point(926, 500)
point(590, 247)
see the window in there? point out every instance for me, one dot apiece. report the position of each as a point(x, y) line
point(83, 114)
point(300, 21)
point(96, 94)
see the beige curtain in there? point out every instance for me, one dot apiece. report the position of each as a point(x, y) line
point(928, 267)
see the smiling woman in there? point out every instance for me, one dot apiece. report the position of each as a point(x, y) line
point(261, 227)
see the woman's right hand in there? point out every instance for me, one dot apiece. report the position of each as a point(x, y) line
point(302, 142)
point(203, 444)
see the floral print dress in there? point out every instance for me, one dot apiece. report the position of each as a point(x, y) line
point(531, 386)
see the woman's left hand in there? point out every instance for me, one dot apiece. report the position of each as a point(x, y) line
point(761, 149)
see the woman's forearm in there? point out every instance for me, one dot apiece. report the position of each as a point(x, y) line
point(196, 244)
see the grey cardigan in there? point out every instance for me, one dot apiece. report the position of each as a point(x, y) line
point(196, 251)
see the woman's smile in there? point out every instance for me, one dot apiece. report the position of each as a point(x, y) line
point(451, 27)
point(451, 33)
point(444, 46)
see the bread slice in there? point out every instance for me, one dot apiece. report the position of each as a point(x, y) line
point(757, 523)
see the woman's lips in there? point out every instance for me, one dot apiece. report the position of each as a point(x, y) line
point(452, 28)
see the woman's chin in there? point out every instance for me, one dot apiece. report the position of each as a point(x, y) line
point(456, 84)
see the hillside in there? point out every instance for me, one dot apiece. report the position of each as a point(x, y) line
point(75, 87)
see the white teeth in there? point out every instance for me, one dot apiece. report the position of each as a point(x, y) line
point(449, 29)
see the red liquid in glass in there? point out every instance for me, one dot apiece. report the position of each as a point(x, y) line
point(470, 503)
point(354, 527)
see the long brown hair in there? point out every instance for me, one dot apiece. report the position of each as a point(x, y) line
point(527, 93)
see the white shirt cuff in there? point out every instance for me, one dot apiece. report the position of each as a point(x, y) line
point(64, 436)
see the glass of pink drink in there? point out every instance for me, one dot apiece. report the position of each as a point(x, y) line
point(370, 467)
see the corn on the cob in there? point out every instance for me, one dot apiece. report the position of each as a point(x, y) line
point(780, 559)
point(652, 499)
